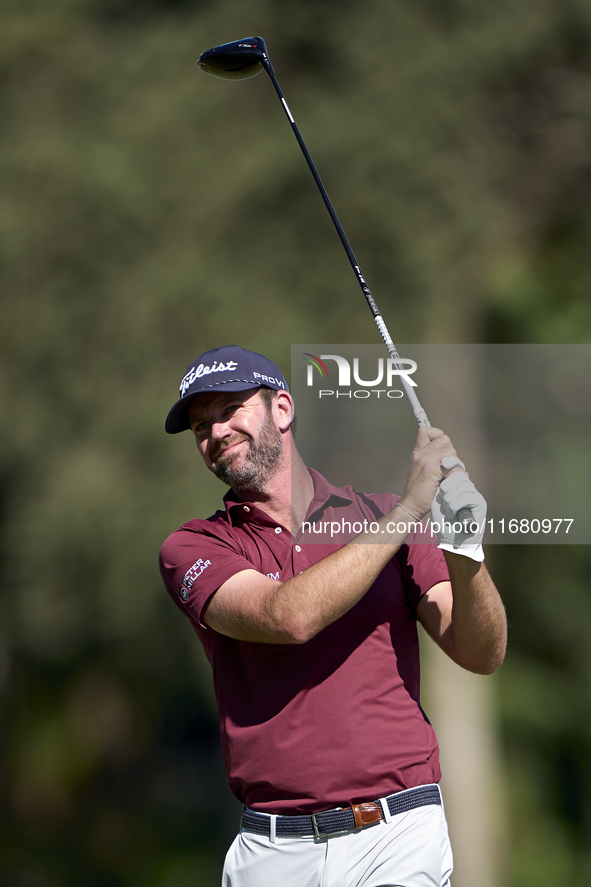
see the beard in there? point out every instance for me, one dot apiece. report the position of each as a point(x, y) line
point(258, 463)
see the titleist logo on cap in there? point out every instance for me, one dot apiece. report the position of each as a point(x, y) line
point(203, 370)
point(225, 369)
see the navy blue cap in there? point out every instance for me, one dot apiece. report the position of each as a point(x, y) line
point(229, 368)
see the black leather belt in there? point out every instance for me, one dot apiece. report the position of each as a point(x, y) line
point(339, 820)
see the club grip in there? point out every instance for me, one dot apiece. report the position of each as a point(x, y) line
point(466, 518)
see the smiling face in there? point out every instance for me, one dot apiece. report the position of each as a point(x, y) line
point(239, 437)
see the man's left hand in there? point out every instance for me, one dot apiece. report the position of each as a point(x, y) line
point(455, 492)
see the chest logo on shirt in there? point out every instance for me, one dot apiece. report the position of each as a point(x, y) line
point(195, 572)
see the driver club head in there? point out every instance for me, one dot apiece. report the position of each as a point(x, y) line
point(235, 61)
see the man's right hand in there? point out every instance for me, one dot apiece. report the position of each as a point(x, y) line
point(425, 472)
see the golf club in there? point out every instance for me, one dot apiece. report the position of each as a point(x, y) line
point(242, 59)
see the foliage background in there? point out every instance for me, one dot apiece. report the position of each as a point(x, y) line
point(148, 212)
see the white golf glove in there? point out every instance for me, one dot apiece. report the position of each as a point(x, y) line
point(456, 491)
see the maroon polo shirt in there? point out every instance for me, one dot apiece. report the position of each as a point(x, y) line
point(336, 720)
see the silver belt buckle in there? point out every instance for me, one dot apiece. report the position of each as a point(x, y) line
point(341, 831)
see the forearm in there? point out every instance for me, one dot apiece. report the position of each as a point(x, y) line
point(252, 607)
point(310, 601)
point(477, 631)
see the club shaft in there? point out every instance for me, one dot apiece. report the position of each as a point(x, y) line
point(418, 410)
point(465, 514)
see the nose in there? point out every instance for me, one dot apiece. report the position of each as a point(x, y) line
point(219, 429)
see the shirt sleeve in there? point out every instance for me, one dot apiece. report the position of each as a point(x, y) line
point(423, 566)
point(195, 561)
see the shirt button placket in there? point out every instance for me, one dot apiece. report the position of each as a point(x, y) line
point(298, 549)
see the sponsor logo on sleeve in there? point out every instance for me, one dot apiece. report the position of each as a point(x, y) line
point(195, 572)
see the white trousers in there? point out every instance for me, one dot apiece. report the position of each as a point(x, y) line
point(411, 850)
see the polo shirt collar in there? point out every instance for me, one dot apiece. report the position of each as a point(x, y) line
point(325, 494)
point(240, 510)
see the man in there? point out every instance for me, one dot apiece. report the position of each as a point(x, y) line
point(314, 648)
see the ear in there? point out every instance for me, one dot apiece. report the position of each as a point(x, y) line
point(283, 409)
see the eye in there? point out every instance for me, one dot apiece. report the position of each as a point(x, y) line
point(200, 427)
